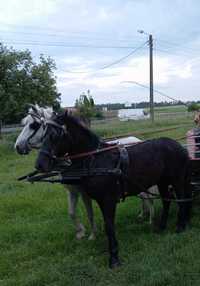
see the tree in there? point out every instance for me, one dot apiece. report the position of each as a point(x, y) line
point(85, 106)
point(23, 81)
point(193, 107)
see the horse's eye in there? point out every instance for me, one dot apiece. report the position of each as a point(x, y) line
point(34, 125)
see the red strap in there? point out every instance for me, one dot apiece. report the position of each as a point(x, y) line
point(85, 154)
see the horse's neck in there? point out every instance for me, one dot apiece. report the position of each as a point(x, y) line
point(82, 139)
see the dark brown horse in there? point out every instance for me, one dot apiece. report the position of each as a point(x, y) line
point(162, 162)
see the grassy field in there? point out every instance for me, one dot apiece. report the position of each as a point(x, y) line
point(171, 109)
point(37, 241)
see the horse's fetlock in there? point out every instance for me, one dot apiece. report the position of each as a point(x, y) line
point(114, 262)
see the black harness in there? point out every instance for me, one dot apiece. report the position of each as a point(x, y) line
point(66, 173)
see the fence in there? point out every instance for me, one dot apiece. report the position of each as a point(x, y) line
point(11, 128)
point(158, 117)
point(173, 115)
point(112, 119)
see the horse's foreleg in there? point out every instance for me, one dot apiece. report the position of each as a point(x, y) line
point(88, 205)
point(108, 207)
point(73, 195)
point(165, 196)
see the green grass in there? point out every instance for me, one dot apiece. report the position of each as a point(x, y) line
point(174, 108)
point(38, 245)
point(138, 128)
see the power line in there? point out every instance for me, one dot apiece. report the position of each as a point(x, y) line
point(174, 52)
point(66, 45)
point(75, 36)
point(177, 48)
point(125, 57)
point(111, 64)
point(82, 33)
point(157, 91)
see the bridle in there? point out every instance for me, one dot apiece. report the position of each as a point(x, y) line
point(46, 152)
point(41, 123)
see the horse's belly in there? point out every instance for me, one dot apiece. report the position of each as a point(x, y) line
point(99, 186)
point(146, 175)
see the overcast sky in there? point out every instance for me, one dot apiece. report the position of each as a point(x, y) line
point(87, 38)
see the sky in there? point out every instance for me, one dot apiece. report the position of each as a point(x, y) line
point(97, 47)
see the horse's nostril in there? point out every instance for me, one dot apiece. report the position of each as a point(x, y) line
point(18, 149)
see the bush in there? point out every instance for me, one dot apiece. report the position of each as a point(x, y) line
point(193, 107)
point(99, 115)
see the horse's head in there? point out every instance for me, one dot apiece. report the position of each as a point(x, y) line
point(64, 134)
point(56, 142)
point(33, 130)
point(197, 118)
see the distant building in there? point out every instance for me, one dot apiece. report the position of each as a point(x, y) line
point(132, 114)
point(127, 104)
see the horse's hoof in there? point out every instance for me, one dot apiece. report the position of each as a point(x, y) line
point(114, 263)
point(92, 236)
point(80, 235)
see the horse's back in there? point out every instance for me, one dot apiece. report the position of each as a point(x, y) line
point(163, 148)
point(155, 160)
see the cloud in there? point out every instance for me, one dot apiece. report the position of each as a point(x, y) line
point(111, 23)
point(134, 70)
point(23, 11)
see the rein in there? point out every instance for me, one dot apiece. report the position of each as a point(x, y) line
point(85, 154)
point(97, 151)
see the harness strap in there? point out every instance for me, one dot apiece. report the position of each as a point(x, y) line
point(52, 122)
point(85, 154)
point(123, 165)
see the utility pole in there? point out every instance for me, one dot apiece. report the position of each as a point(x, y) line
point(151, 97)
point(151, 77)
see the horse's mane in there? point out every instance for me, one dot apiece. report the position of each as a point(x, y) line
point(45, 112)
point(79, 130)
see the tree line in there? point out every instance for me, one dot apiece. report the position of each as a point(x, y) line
point(22, 81)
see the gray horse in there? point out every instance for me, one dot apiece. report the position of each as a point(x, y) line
point(31, 138)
